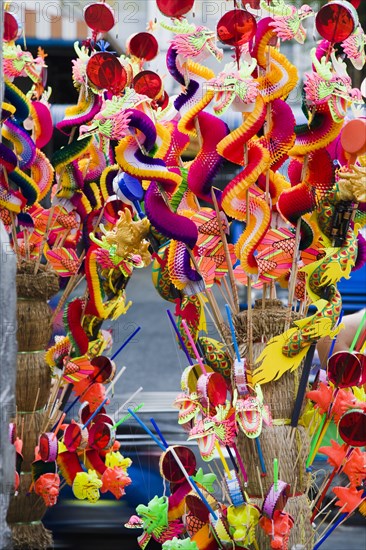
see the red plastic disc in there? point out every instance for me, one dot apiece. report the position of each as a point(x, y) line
point(197, 507)
point(336, 21)
point(254, 4)
point(169, 468)
point(216, 389)
point(148, 83)
point(99, 17)
point(106, 72)
point(344, 369)
point(104, 369)
point(236, 27)
point(143, 45)
point(12, 30)
point(101, 436)
point(352, 428)
point(162, 102)
point(175, 8)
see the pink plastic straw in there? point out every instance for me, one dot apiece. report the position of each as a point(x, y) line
point(191, 341)
point(240, 462)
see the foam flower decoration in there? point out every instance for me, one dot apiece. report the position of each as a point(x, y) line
point(206, 480)
point(180, 544)
point(349, 498)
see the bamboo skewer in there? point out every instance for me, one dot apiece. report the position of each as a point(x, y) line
point(227, 253)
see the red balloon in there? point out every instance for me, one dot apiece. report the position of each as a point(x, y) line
point(148, 83)
point(12, 29)
point(143, 45)
point(99, 17)
point(355, 3)
point(236, 27)
point(336, 21)
point(106, 72)
point(175, 8)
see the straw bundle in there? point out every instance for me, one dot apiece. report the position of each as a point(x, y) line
point(30, 425)
point(301, 533)
point(32, 392)
point(33, 381)
point(276, 441)
point(34, 324)
point(29, 532)
point(42, 286)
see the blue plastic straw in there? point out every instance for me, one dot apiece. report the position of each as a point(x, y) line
point(179, 336)
point(147, 430)
point(335, 339)
point(232, 330)
point(157, 429)
point(68, 409)
point(95, 412)
point(164, 447)
point(330, 531)
point(125, 343)
point(260, 455)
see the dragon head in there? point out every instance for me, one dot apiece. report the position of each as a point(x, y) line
point(154, 516)
point(204, 432)
point(233, 84)
point(115, 480)
point(193, 42)
point(188, 405)
point(86, 486)
point(180, 544)
point(48, 487)
point(250, 413)
point(330, 84)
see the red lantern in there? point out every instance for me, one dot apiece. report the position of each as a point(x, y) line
point(99, 17)
point(105, 72)
point(143, 45)
point(12, 29)
point(175, 8)
point(236, 27)
point(336, 21)
point(148, 83)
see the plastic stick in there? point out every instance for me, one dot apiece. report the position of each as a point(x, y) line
point(125, 343)
point(191, 341)
point(157, 429)
point(179, 336)
point(358, 332)
point(232, 330)
point(223, 460)
point(147, 430)
point(335, 339)
point(275, 473)
point(126, 403)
